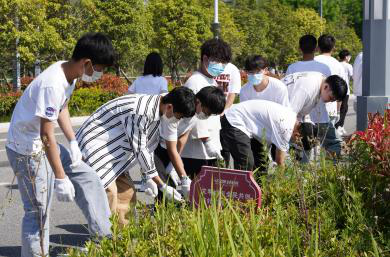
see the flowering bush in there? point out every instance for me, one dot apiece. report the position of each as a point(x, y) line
point(8, 102)
point(108, 83)
point(371, 148)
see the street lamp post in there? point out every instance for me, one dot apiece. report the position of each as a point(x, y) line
point(321, 8)
point(376, 60)
point(215, 26)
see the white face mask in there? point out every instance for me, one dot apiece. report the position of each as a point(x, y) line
point(96, 75)
point(171, 120)
point(201, 116)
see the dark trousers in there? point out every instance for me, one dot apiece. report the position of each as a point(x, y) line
point(161, 160)
point(308, 132)
point(247, 154)
point(193, 166)
point(343, 112)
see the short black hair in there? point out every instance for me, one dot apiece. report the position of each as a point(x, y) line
point(344, 54)
point(326, 43)
point(183, 101)
point(95, 46)
point(212, 98)
point(338, 86)
point(216, 49)
point(308, 44)
point(153, 65)
point(255, 62)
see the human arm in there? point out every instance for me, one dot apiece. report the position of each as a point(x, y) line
point(174, 156)
point(51, 148)
point(65, 124)
point(66, 127)
point(230, 100)
point(280, 156)
point(164, 86)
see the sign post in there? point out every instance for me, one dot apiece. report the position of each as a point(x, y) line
point(233, 184)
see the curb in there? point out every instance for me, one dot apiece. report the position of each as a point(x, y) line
point(76, 121)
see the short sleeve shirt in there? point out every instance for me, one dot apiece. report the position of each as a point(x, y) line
point(303, 91)
point(45, 97)
point(230, 79)
point(276, 91)
point(149, 85)
point(263, 119)
point(210, 127)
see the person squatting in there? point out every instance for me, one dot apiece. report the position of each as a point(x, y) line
point(170, 135)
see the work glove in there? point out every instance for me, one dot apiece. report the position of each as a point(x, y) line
point(75, 154)
point(212, 150)
point(171, 172)
point(64, 189)
point(151, 188)
point(185, 186)
point(171, 193)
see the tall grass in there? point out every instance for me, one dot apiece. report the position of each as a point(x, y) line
point(311, 210)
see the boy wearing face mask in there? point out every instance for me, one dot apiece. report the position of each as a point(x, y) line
point(124, 132)
point(262, 87)
point(210, 100)
point(41, 165)
point(203, 146)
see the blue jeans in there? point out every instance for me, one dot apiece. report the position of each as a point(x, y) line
point(36, 187)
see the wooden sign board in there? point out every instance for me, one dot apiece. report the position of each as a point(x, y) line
point(234, 184)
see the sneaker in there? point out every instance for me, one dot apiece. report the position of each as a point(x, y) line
point(340, 131)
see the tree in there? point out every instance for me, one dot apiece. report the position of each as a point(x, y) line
point(128, 23)
point(181, 26)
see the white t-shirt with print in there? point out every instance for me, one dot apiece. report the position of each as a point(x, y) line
point(304, 66)
point(232, 78)
point(322, 112)
point(149, 85)
point(260, 118)
point(348, 69)
point(202, 128)
point(276, 91)
point(172, 132)
point(44, 98)
point(303, 91)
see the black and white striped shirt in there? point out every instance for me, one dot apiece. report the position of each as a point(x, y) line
point(119, 133)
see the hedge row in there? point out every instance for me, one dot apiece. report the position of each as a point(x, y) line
point(85, 99)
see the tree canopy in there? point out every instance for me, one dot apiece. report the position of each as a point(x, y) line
point(48, 29)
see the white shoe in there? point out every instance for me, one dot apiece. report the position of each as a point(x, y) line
point(341, 131)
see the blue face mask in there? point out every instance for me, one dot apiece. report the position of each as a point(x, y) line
point(215, 68)
point(255, 79)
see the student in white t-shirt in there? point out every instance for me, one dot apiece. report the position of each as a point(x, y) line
point(308, 45)
point(327, 115)
point(345, 57)
point(203, 146)
point(230, 83)
point(173, 137)
point(41, 165)
point(326, 44)
point(307, 90)
point(258, 119)
point(151, 82)
point(262, 87)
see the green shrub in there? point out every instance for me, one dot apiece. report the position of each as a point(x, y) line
point(85, 101)
point(8, 102)
point(314, 210)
